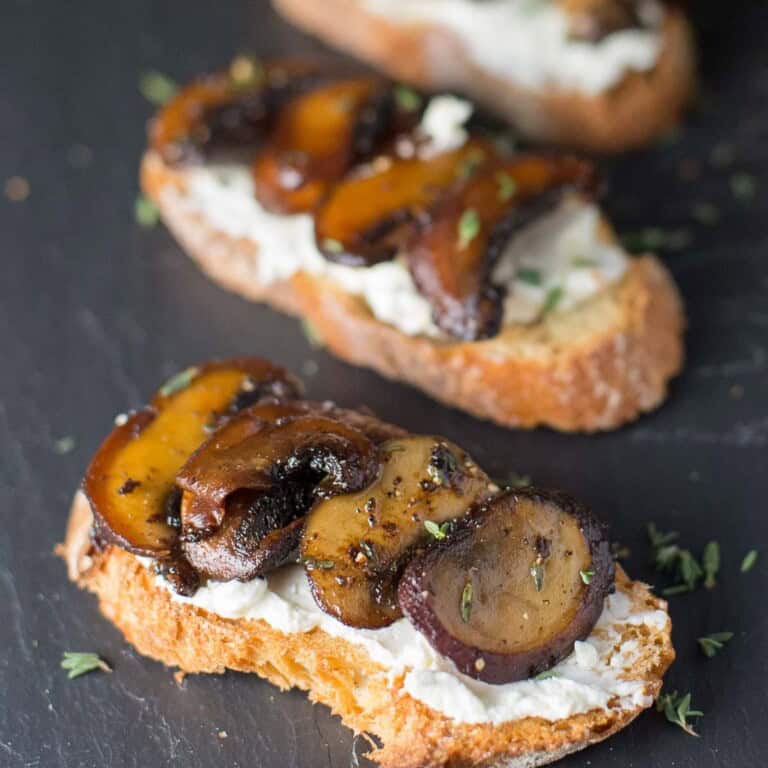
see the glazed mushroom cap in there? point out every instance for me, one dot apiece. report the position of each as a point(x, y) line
point(507, 594)
point(133, 473)
point(354, 546)
point(247, 489)
point(320, 134)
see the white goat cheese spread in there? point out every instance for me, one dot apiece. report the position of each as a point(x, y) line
point(598, 671)
point(527, 41)
point(564, 248)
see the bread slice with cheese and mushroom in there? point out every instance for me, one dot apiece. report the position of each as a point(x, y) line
point(232, 525)
point(413, 241)
point(604, 75)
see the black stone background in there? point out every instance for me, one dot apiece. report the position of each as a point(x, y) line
point(94, 312)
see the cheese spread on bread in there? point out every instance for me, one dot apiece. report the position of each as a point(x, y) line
point(598, 674)
point(528, 41)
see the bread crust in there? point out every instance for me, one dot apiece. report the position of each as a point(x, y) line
point(593, 368)
point(639, 107)
point(336, 672)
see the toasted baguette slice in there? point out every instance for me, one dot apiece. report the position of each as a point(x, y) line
point(339, 673)
point(591, 368)
point(639, 107)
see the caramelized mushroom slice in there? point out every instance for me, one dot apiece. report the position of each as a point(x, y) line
point(247, 489)
point(354, 546)
point(319, 135)
point(367, 217)
point(507, 594)
point(132, 476)
point(228, 111)
point(453, 253)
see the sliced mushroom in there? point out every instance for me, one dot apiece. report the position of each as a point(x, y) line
point(354, 546)
point(227, 112)
point(133, 473)
point(367, 217)
point(507, 594)
point(247, 489)
point(319, 135)
point(452, 254)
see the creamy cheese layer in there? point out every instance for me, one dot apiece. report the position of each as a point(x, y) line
point(561, 252)
point(527, 41)
point(591, 677)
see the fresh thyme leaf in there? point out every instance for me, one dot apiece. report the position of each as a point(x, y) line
point(676, 589)
point(666, 557)
point(64, 445)
point(655, 238)
point(332, 246)
point(78, 664)
point(407, 98)
point(321, 565)
point(515, 480)
point(551, 300)
point(548, 674)
point(748, 563)
point(368, 550)
point(743, 186)
point(620, 552)
point(438, 532)
point(689, 569)
point(710, 562)
point(583, 262)
point(179, 381)
point(659, 539)
point(537, 574)
point(311, 333)
point(677, 709)
point(157, 88)
point(145, 212)
point(465, 606)
point(507, 186)
point(705, 213)
point(246, 71)
point(528, 275)
point(711, 644)
point(468, 228)
point(586, 576)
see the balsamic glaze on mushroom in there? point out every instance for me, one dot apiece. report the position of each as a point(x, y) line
point(320, 134)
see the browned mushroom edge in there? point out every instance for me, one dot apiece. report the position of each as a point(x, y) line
point(347, 150)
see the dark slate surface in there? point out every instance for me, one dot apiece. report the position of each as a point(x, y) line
point(95, 312)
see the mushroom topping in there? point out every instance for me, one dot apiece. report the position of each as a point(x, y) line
point(506, 595)
point(132, 476)
point(228, 112)
point(454, 250)
point(354, 546)
point(247, 489)
point(367, 217)
point(319, 135)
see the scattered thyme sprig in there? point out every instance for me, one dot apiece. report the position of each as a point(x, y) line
point(677, 710)
point(77, 663)
point(669, 557)
point(711, 644)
